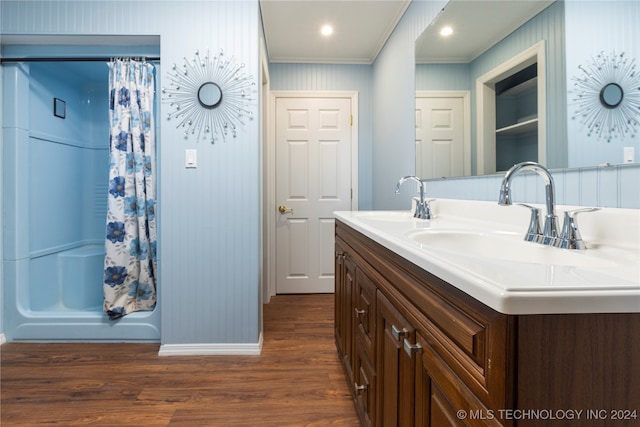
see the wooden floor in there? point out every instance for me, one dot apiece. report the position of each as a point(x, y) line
point(297, 381)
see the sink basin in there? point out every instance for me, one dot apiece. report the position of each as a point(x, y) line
point(504, 246)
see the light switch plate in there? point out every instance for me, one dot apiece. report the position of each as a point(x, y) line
point(191, 158)
point(629, 155)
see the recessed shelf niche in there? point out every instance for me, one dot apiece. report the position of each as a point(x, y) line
point(511, 112)
point(517, 118)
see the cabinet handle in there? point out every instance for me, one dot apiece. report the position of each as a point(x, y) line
point(340, 256)
point(397, 333)
point(360, 312)
point(410, 348)
point(360, 388)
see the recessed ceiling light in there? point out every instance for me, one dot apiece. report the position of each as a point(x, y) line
point(446, 31)
point(326, 30)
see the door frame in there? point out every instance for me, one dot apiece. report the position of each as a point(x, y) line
point(269, 178)
point(466, 109)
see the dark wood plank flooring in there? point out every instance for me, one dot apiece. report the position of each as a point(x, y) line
point(297, 381)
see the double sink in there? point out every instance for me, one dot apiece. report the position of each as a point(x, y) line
point(487, 257)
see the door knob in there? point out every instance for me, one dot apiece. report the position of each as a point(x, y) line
point(283, 209)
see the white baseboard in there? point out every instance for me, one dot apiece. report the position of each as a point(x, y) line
point(3, 339)
point(239, 349)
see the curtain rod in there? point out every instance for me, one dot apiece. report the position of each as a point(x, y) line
point(79, 59)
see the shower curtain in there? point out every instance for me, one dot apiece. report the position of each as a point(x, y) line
point(130, 260)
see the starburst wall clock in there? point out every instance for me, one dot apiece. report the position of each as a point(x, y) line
point(607, 95)
point(209, 96)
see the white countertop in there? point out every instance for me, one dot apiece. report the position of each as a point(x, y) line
point(498, 268)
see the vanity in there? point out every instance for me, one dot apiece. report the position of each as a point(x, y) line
point(457, 321)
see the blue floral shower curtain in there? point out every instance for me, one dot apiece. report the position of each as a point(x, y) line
point(130, 261)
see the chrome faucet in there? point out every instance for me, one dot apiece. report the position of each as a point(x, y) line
point(423, 210)
point(549, 234)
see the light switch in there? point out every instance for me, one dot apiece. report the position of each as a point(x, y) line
point(629, 155)
point(191, 159)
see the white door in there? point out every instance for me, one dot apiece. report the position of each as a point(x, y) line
point(313, 179)
point(440, 137)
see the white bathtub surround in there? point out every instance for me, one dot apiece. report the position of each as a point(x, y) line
point(478, 247)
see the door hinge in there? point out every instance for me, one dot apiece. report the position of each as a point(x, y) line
point(351, 193)
point(350, 119)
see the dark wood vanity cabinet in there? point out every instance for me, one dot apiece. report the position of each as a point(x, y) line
point(419, 352)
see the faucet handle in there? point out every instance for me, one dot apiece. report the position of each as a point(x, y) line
point(570, 237)
point(418, 207)
point(422, 209)
point(534, 232)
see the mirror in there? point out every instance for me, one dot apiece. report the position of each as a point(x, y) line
point(611, 95)
point(571, 34)
point(209, 95)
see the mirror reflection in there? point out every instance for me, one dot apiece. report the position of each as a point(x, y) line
point(486, 99)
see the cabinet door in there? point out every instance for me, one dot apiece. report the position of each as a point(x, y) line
point(432, 406)
point(364, 386)
point(394, 366)
point(364, 302)
point(344, 278)
point(441, 398)
point(339, 301)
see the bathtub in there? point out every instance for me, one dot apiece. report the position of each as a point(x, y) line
point(58, 297)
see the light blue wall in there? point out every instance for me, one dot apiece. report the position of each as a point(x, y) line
point(610, 187)
point(394, 106)
point(2, 336)
point(326, 77)
point(443, 77)
point(208, 233)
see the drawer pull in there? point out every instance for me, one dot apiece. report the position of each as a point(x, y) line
point(360, 312)
point(411, 348)
point(360, 388)
point(397, 333)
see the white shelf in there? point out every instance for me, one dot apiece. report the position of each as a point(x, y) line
point(523, 87)
point(519, 128)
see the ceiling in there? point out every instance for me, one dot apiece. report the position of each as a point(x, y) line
point(477, 25)
point(361, 28)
